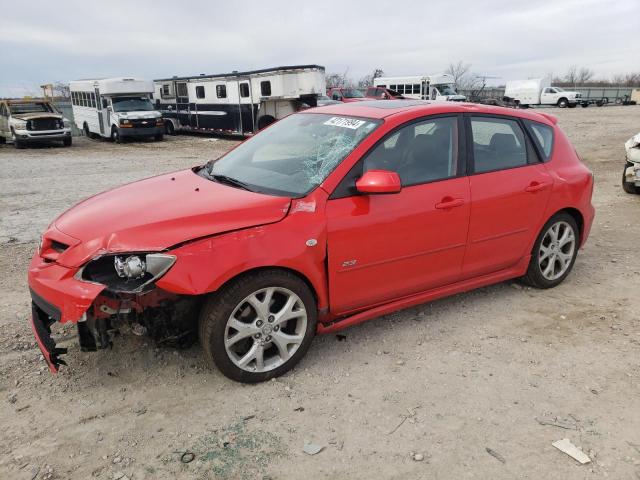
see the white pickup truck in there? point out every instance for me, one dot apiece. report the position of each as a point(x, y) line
point(538, 91)
point(631, 172)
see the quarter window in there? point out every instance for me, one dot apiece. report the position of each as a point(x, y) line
point(265, 88)
point(244, 90)
point(221, 91)
point(200, 91)
point(420, 152)
point(544, 137)
point(497, 144)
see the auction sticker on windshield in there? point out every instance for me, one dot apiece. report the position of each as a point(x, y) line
point(343, 122)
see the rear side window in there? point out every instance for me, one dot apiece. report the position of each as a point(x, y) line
point(244, 90)
point(221, 91)
point(498, 144)
point(543, 135)
point(265, 88)
point(200, 91)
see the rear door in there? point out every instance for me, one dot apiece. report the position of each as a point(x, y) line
point(382, 247)
point(510, 189)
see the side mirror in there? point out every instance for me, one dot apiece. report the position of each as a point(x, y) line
point(379, 181)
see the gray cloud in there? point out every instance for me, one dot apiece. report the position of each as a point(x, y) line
point(42, 42)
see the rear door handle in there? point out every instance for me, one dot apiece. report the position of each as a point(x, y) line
point(536, 186)
point(449, 203)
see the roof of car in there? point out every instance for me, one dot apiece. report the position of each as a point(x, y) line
point(385, 108)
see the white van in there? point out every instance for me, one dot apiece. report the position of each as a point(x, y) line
point(116, 108)
point(439, 87)
point(538, 91)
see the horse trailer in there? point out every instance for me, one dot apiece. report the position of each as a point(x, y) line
point(237, 103)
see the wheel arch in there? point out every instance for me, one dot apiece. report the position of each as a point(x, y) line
point(265, 268)
point(576, 215)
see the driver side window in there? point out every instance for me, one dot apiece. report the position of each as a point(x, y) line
point(421, 152)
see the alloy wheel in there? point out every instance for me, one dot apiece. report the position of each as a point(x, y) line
point(265, 329)
point(556, 250)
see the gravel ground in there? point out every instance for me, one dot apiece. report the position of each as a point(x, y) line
point(421, 393)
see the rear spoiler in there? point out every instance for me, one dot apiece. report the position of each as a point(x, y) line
point(552, 118)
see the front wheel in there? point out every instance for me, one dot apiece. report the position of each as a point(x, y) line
point(115, 135)
point(554, 252)
point(563, 103)
point(158, 137)
point(259, 326)
point(629, 187)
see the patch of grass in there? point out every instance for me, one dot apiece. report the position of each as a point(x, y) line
point(238, 452)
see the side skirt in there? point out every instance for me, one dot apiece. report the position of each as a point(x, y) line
point(514, 272)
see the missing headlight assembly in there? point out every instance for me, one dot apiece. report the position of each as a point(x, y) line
point(127, 272)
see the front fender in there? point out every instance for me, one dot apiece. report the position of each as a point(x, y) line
point(298, 243)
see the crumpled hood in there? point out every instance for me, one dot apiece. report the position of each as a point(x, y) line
point(31, 116)
point(160, 212)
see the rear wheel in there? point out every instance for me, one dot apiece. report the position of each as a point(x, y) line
point(259, 326)
point(584, 104)
point(629, 187)
point(554, 252)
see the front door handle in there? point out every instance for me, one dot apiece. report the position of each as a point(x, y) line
point(449, 202)
point(536, 186)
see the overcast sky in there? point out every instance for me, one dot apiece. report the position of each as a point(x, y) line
point(42, 42)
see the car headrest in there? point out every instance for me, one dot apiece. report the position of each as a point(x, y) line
point(503, 141)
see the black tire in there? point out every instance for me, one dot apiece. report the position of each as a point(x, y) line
point(599, 103)
point(534, 276)
point(563, 103)
point(573, 105)
point(628, 186)
point(16, 143)
point(516, 104)
point(265, 121)
point(158, 137)
point(67, 142)
point(85, 129)
point(169, 129)
point(584, 104)
point(2, 140)
point(115, 135)
point(220, 305)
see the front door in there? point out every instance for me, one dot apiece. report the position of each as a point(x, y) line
point(100, 109)
point(509, 195)
point(383, 247)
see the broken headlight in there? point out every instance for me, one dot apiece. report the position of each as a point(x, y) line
point(129, 272)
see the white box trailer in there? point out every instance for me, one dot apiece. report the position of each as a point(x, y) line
point(538, 91)
point(237, 103)
point(118, 108)
point(439, 87)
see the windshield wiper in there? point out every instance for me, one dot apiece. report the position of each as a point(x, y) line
point(234, 182)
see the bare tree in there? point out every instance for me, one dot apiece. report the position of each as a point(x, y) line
point(367, 80)
point(61, 90)
point(572, 75)
point(584, 75)
point(458, 71)
point(338, 80)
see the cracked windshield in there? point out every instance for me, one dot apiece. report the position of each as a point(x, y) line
point(293, 156)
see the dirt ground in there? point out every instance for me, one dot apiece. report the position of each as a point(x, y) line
point(446, 381)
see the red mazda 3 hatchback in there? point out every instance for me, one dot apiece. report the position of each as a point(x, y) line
point(328, 218)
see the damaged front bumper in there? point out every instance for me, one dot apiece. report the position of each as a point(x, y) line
point(59, 296)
